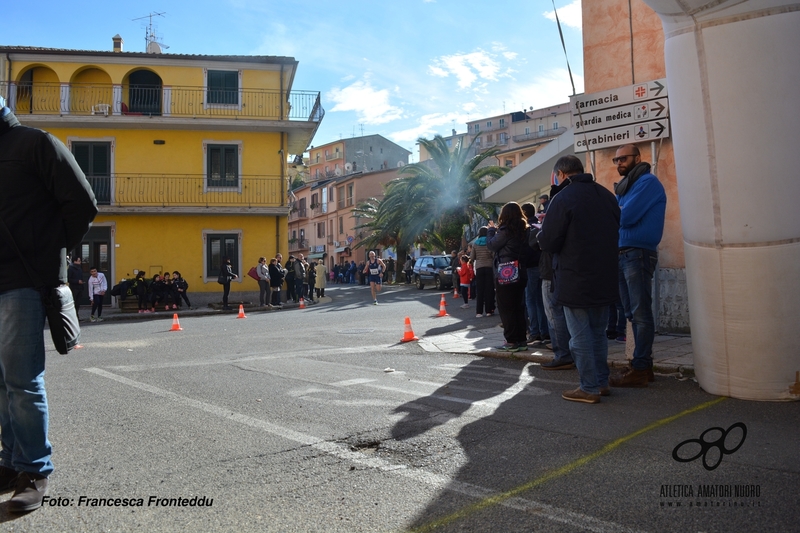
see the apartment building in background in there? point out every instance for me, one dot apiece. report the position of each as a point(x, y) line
point(187, 154)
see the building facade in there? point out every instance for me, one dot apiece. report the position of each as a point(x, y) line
point(321, 219)
point(186, 154)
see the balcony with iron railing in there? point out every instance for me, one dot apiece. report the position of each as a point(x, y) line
point(171, 190)
point(555, 132)
point(296, 245)
point(82, 99)
point(298, 213)
point(334, 155)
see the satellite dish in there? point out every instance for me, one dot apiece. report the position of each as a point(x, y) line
point(348, 166)
point(153, 48)
point(338, 171)
point(400, 164)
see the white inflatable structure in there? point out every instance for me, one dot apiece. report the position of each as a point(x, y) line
point(733, 70)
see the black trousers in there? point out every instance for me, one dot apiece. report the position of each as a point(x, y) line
point(226, 290)
point(484, 281)
point(511, 304)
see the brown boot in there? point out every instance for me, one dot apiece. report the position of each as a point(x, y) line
point(630, 378)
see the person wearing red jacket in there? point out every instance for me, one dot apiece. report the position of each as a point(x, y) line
point(465, 275)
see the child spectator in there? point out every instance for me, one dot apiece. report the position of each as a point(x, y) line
point(180, 286)
point(465, 275)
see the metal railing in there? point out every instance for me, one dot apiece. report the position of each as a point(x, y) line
point(298, 213)
point(173, 101)
point(170, 190)
point(538, 134)
point(334, 155)
point(298, 244)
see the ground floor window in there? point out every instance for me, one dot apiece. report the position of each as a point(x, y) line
point(218, 246)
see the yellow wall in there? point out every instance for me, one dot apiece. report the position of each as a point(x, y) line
point(182, 152)
point(170, 75)
point(175, 242)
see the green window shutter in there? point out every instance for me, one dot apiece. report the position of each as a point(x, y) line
point(223, 166)
point(223, 87)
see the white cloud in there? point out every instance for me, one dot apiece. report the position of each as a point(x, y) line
point(467, 68)
point(371, 105)
point(429, 125)
point(569, 15)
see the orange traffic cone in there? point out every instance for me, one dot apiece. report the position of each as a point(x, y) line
point(302, 304)
point(241, 311)
point(443, 307)
point(176, 326)
point(455, 292)
point(408, 335)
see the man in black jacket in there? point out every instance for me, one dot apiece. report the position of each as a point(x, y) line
point(75, 279)
point(47, 206)
point(581, 230)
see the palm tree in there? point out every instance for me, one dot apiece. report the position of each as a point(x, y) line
point(439, 199)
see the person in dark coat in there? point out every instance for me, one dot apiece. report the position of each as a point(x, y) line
point(227, 275)
point(75, 280)
point(276, 275)
point(509, 243)
point(46, 207)
point(581, 230)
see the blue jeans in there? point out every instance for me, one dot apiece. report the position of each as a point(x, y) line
point(616, 319)
point(588, 345)
point(537, 320)
point(559, 333)
point(636, 267)
point(23, 402)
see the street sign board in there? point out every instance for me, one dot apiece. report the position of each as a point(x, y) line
point(632, 94)
point(621, 115)
point(632, 133)
point(636, 113)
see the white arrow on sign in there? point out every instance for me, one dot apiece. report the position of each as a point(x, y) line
point(633, 133)
point(639, 92)
point(622, 115)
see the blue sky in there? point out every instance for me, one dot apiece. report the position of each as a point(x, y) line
point(402, 69)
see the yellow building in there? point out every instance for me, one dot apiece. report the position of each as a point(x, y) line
point(187, 154)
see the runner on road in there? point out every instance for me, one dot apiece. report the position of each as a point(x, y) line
point(374, 271)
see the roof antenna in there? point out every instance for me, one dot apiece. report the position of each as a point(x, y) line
point(153, 46)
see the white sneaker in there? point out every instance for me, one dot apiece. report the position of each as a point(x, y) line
point(479, 315)
point(465, 306)
point(92, 319)
point(99, 319)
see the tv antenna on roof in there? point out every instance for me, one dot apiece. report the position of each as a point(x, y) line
point(153, 46)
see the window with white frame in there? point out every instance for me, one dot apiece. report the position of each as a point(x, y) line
point(218, 246)
point(222, 164)
point(222, 87)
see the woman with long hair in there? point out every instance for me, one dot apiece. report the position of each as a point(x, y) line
point(508, 240)
point(483, 262)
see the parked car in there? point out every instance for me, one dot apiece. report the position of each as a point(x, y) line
point(433, 268)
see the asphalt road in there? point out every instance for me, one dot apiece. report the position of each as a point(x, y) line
point(320, 420)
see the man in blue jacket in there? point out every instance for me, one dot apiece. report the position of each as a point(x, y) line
point(642, 203)
point(581, 231)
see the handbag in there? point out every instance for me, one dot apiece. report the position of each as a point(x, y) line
point(59, 306)
point(253, 273)
point(508, 273)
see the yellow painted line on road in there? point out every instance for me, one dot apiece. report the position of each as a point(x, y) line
point(559, 472)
